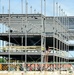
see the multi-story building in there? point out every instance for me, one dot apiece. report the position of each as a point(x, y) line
point(35, 39)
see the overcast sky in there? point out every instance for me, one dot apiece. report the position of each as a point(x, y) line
point(15, 6)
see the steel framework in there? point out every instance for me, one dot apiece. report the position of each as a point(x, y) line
point(36, 38)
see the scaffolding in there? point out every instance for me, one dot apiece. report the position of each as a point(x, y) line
point(35, 42)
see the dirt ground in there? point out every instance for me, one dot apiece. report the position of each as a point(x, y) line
point(34, 73)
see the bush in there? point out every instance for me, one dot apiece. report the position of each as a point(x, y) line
point(70, 71)
point(2, 60)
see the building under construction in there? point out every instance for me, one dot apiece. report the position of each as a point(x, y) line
point(35, 42)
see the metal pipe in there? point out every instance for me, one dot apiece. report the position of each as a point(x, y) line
point(31, 9)
point(2, 25)
point(26, 7)
point(59, 41)
point(26, 31)
point(41, 6)
point(44, 26)
point(3, 10)
point(45, 7)
point(63, 33)
point(34, 11)
point(22, 6)
point(9, 35)
point(57, 30)
point(0, 7)
point(53, 32)
point(42, 38)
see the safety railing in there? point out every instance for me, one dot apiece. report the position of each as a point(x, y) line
point(20, 48)
point(51, 50)
point(58, 52)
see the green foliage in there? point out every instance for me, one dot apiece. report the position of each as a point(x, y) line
point(2, 60)
point(70, 71)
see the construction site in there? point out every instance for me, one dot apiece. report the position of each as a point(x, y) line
point(34, 43)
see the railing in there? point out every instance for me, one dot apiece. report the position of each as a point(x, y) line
point(52, 50)
point(20, 48)
point(58, 52)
